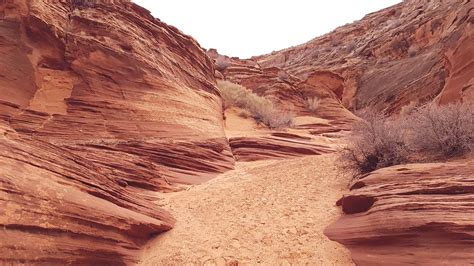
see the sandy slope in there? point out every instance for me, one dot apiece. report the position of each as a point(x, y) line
point(268, 212)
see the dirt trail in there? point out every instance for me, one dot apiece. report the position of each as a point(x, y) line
point(265, 212)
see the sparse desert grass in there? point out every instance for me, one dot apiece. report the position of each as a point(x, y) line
point(428, 133)
point(260, 108)
point(84, 3)
point(312, 103)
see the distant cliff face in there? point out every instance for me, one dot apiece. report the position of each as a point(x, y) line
point(99, 102)
point(415, 51)
point(408, 54)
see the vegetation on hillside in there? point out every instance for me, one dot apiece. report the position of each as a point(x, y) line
point(260, 108)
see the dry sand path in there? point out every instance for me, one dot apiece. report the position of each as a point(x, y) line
point(266, 212)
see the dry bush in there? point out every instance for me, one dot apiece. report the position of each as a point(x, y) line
point(375, 142)
point(428, 133)
point(312, 103)
point(245, 114)
point(268, 115)
point(260, 108)
point(408, 108)
point(444, 131)
point(84, 3)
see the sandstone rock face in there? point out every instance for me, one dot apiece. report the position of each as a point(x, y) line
point(410, 214)
point(276, 146)
point(99, 103)
point(415, 51)
point(290, 94)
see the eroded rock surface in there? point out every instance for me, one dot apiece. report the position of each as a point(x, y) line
point(290, 94)
point(271, 147)
point(409, 53)
point(410, 214)
point(99, 103)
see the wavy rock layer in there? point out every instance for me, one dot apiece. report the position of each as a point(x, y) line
point(410, 214)
point(276, 146)
point(410, 53)
point(99, 102)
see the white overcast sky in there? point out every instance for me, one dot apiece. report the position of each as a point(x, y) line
point(245, 28)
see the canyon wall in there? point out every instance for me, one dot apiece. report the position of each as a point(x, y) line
point(100, 103)
point(410, 53)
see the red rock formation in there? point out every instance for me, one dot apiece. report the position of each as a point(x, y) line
point(99, 102)
point(290, 94)
point(277, 146)
point(287, 90)
point(410, 214)
point(411, 52)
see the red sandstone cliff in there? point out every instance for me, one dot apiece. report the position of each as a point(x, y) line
point(98, 104)
point(411, 52)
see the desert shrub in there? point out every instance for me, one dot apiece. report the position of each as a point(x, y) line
point(312, 103)
point(222, 63)
point(268, 115)
point(427, 133)
point(260, 108)
point(374, 142)
point(282, 75)
point(446, 130)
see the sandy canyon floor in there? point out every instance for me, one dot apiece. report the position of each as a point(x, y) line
point(266, 212)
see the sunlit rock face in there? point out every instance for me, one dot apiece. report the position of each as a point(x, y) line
point(99, 103)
